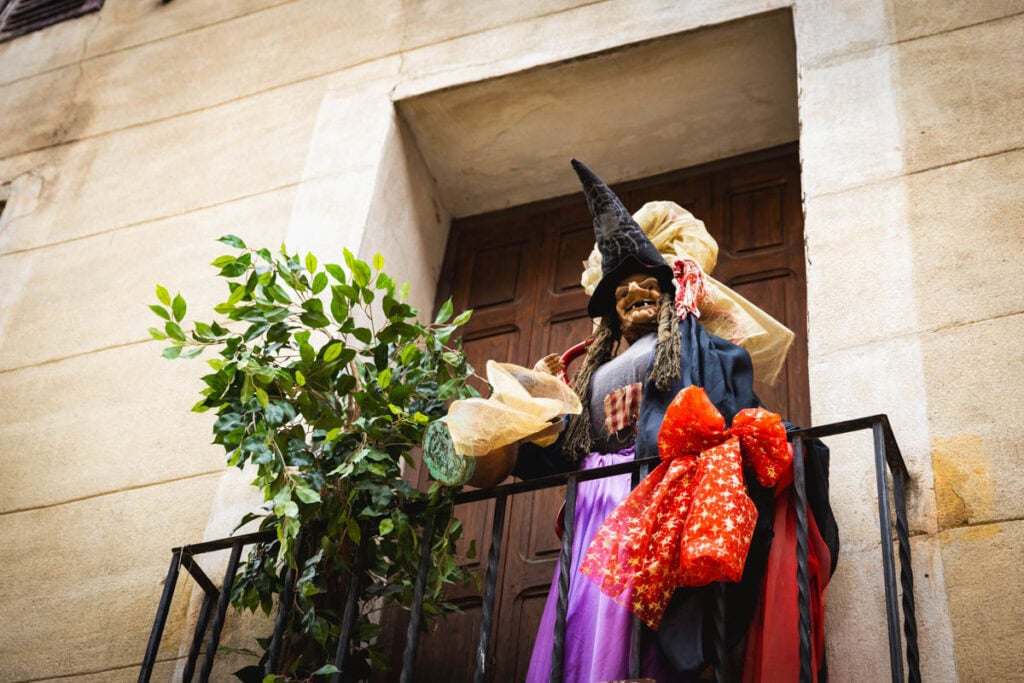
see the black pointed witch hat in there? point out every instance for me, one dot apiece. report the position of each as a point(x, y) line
point(625, 249)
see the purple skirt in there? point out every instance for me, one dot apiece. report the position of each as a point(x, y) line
point(597, 630)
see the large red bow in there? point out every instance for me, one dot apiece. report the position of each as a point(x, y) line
point(690, 521)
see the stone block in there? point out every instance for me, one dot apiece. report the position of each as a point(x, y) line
point(883, 377)
point(82, 589)
point(826, 30)
point(102, 422)
point(38, 111)
point(435, 21)
point(561, 36)
point(127, 23)
point(973, 375)
point(913, 19)
point(408, 224)
point(984, 575)
point(860, 277)
point(166, 669)
point(53, 47)
point(287, 43)
point(851, 133)
point(96, 290)
point(186, 163)
point(856, 632)
point(960, 92)
point(966, 225)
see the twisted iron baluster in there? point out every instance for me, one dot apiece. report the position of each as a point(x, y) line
point(565, 566)
point(906, 578)
point(348, 618)
point(802, 574)
point(720, 632)
point(412, 634)
point(892, 609)
point(490, 584)
point(222, 607)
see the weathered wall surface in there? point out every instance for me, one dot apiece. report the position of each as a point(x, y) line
point(133, 137)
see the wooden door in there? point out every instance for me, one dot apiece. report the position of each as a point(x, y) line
point(519, 271)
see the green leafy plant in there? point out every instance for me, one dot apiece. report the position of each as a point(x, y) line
point(323, 383)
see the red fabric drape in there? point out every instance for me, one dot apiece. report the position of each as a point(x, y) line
point(773, 643)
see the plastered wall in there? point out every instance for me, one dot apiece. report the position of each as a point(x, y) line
point(130, 139)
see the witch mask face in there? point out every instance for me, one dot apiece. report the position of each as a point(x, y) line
point(636, 302)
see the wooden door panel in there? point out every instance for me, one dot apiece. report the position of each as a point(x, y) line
point(513, 653)
point(569, 264)
point(495, 275)
point(759, 224)
point(773, 291)
point(448, 648)
point(755, 220)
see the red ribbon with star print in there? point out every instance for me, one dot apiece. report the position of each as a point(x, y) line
point(690, 521)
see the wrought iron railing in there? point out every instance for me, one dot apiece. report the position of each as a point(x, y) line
point(888, 462)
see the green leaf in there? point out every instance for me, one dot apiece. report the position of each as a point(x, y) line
point(287, 509)
point(360, 271)
point(336, 272)
point(232, 240)
point(362, 334)
point(384, 378)
point(354, 532)
point(222, 261)
point(403, 291)
point(178, 307)
point(157, 334)
point(236, 294)
point(160, 311)
point(174, 331)
point(409, 353)
point(300, 379)
point(279, 294)
point(326, 669)
point(386, 526)
point(333, 351)
point(310, 262)
point(444, 313)
point(306, 494)
point(378, 261)
point(262, 397)
point(233, 269)
point(315, 319)
point(163, 295)
point(247, 388)
point(171, 352)
point(319, 282)
point(462, 318)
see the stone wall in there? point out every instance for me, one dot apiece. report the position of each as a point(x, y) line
point(135, 136)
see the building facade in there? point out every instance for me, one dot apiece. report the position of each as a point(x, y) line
point(132, 137)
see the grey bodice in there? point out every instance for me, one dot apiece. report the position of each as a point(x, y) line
point(627, 368)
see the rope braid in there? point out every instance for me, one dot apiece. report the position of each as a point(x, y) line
point(667, 349)
point(578, 442)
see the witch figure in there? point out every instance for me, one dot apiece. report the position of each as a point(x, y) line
point(656, 382)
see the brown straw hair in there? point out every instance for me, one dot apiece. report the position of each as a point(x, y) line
point(667, 349)
point(578, 442)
